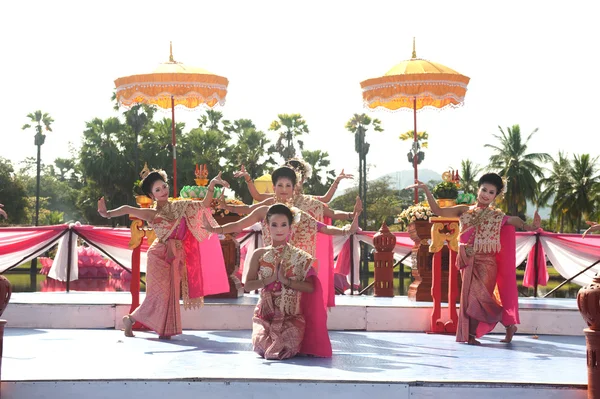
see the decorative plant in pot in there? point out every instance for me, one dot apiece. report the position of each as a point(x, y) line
point(446, 193)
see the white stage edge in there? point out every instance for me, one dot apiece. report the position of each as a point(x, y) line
point(359, 313)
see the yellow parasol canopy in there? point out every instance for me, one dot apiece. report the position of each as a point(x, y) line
point(430, 83)
point(172, 83)
point(415, 84)
point(189, 86)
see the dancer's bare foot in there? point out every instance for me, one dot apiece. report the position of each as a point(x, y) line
point(510, 332)
point(128, 324)
point(473, 341)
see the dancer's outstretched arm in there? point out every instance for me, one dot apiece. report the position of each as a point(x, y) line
point(593, 227)
point(348, 229)
point(520, 223)
point(235, 227)
point(140, 213)
point(251, 187)
point(3, 212)
point(332, 189)
point(243, 209)
point(211, 189)
point(448, 212)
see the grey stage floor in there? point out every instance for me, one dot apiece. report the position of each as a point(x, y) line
point(55, 355)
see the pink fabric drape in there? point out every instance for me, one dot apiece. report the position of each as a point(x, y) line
point(506, 281)
point(324, 255)
point(16, 239)
point(532, 266)
point(316, 340)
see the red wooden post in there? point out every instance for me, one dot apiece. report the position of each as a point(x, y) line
point(137, 238)
point(436, 292)
point(134, 284)
point(452, 292)
point(384, 242)
point(444, 231)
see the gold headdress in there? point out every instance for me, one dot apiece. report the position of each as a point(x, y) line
point(146, 171)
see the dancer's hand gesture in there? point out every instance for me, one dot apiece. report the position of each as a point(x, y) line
point(593, 227)
point(241, 173)
point(3, 212)
point(102, 208)
point(343, 176)
point(219, 180)
point(418, 184)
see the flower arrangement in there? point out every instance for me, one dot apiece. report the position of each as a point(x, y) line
point(414, 213)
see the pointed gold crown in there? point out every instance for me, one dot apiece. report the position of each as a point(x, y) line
point(144, 171)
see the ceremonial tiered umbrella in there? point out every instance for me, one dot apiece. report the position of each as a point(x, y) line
point(173, 84)
point(415, 84)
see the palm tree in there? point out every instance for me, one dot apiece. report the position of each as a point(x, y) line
point(318, 160)
point(468, 176)
point(211, 120)
point(556, 186)
point(520, 169)
point(358, 125)
point(39, 118)
point(581, 192)
point(289, 127)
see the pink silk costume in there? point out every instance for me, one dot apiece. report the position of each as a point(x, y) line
point(287, 322)
point(489, 290)
point(305, 236)
point(184, 257)
point(323, 247)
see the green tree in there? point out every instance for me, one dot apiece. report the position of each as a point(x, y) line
point(39, 118)
point(251, 149)
point(579, 198)
point(106, 170)
point(13, 195)
point(213, 120)
point(289, 127)
point(521, 169)
point(383, 204)
point(556, 186)
point(319, 162)
point(468, 176)
point(138, 118)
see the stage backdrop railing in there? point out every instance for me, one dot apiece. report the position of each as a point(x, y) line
point(569, 253)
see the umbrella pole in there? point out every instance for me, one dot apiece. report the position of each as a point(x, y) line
point(174, 143)
point(415, 152)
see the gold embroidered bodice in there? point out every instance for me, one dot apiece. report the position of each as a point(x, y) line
point(168, 218)
point(487, 223)
point(295, 263)
point(310, 205)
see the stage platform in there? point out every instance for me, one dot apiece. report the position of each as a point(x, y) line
point(352, 313)
point(102, 363)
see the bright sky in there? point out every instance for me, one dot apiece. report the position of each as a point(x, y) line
point(530, 63)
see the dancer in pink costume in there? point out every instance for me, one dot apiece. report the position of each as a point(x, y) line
point(184, 257)
point(486, 260)
point(290, 317)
